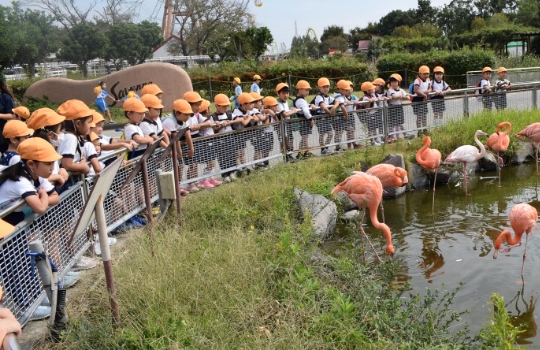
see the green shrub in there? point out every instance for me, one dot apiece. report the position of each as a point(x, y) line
point(409, 44)
point(455, 63)
point(19, 87)
point(499, 333)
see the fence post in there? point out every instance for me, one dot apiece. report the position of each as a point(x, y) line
point(385, 121)
point(534, 97)
point(289, 80)
point(465, 105)
point(210, 85)
point(283, 139)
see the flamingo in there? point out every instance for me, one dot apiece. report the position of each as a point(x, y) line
point(499, 142)
point(390, 176)
point(366, 191)
point(467, 154)
point(532, 132)
point(429, 159)
point(522, 219)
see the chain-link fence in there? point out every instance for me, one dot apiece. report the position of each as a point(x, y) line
point(222, 154)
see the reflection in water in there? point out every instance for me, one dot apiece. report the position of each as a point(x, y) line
point(433, 258)
point(525, 317)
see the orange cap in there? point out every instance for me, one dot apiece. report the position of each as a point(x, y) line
point(93, 136)
point(270, 101)
point(151, 89)
point(204, 105)
point(5, 230)
point(222, 100)
point(16, 128)
point(397, 77)
point(44, 117)
point(182, 106)
point(500, 70)
point(438, 69)
point(323, 82)
point(487, 69)
point(343, 85)
point(22, 112)
point(192, 97)
point(97, 90)
point(423, 69)
point(237, 80)
point(281, 86)
point(134, 105)
point(379, 81)
point(74, 109)
point(367, 86)
point(245, 97)
point(96, 118)
point(36, 148)
point(256, 96)
point(302, 84)
point(257, 77)
point(151, 101)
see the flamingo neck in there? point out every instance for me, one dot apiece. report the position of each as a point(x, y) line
point(380, 226)
point(481, 146)
point(508, 128)
point(507, 236)
point(421, 151)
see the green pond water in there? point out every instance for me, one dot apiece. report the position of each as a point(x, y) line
point(454, 244)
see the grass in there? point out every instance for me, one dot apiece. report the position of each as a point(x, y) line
point(235, 272)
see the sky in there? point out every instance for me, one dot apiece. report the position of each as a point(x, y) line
point(280, 15)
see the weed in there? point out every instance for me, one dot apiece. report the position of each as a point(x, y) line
point(500, 333)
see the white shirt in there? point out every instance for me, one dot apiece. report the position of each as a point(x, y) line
point(302, 104)
point(343, 101)
point(105, 140)
point(130, 130)
point(202, 119)
point(327, 100)
point(283, 107)
point(70, 147)
point(14, 191)
point(151, 127)
point(439, 86)
point(483, 83)
point(423, 86)
point(374, 103)
point(172, 124)
point(223, 117)
point(392, 92)
point(15, 159)
point(503, 83)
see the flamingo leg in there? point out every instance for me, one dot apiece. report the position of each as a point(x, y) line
point(524, 253)
point(499, 167)
point(434, 183)
point(382, 211)
point(365, 235)
point(536, 155)
point(465, 176)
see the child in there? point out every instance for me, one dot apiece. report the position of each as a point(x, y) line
point(486, 88)
point(181, 118)
point(396, 115)
point(49, 126)
point(226, 146)
point(92, 150)
point(440, 88)
point(422, 87)
point(379, 84)
point(131, 93)
point(346, 122)
point(257, 139)
point(371, 118)
point(326, 105)
point(255, 86)
point(237, 91)
point(15, 132)
point(271, 110)
point(209, 145)
point(501, 85)
point(8, 322)
point(77, 125)
point(101, 103)
point(152, 89)
point(151, 124)
point(108, 144)
point(284, 113)
point(134, 110)
point(241, 117)
point(28, 179)
point(304, 112)
point(21, 113)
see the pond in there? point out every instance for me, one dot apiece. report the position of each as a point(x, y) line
point(454, 244)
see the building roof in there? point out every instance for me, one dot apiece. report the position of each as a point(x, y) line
point(363, 44)
point(165, 42)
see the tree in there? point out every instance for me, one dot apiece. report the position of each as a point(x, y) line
point(332, 31)
point(456, 17)
point(304, 46)
point(428, 30)
point(498, 20)
point(37, 37)
point(406, 32)
point(425, 13)
point(82, 44)
point(150, 37)
point(259, 39)
point(396, 18)
point(478, 23)
point(8, 41)
point(65, 11)
point(338, 43)
point(528, 12)
point(117, 11)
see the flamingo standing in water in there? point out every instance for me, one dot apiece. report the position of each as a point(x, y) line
point(522, 219)
point(366, 191)
point(467, 154)
point(390, 176)
point(532, 132)
point(498, 142)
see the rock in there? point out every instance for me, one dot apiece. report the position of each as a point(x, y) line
point(488, 162)
point(418, 177)
point(350, 215)
point(395, 160)
point(323, 212)
point(446, 174)
point(524, 151)
point(472, 167)
point(345, 202)
point(318, 257)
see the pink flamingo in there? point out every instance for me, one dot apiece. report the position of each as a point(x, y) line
point(499, 142)
point(366, 191)
point(522, 218)
point(429, 159)
point(390, 176)
point(467, 154)
point(532, 132)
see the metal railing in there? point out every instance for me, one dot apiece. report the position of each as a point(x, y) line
point(520, 75)
point(220, 154)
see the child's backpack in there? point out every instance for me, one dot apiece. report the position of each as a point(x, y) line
point(477, 91)
point(411, 88)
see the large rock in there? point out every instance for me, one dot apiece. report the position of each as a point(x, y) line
point(418, 177)
point(173, 80)
point(323, 212)
point(395, 160)
point(523, 151)
point(488, 162)
point(352, 215)
point(447, 173)
point(345, 202)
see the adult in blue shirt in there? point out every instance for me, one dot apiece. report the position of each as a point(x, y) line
point(6, 112)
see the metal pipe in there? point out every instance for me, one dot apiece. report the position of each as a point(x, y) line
point(176, 174)
point(146, 188)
